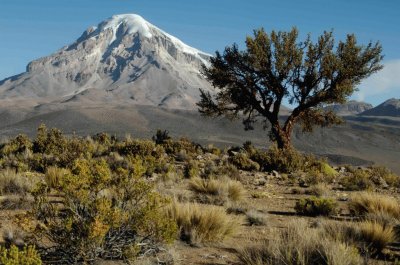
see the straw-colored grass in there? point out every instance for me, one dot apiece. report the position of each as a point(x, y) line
point(202, 223)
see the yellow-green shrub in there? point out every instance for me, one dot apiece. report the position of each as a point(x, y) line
point(101, 216)
point(14, 256)
point(242, 161)
point(314, 206)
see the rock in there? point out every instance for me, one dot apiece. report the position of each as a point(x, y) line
point(383, 183)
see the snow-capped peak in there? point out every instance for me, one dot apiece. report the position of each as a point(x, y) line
point(134, 24)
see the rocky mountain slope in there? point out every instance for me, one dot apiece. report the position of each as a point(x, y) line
point(390, 107)
point(350, 108)
point(124, 59)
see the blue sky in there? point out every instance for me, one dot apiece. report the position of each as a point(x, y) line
point(30, 29)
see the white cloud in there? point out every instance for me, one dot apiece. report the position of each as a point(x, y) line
point(384, 82)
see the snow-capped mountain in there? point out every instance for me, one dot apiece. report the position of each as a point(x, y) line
point(124, 59)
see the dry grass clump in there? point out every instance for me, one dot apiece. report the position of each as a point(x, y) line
point(365, 203)
point(369, 236)
point(14, 183)
point(302, 245)
point(375, 235)
point(201, 223)
point(319, 190)
point(54, 176)
point(216, 191)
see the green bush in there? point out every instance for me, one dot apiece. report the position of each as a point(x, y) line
point(242, 161)
point(314, 206)
point(14, 256)
point(141, 148)
point(357, 180)
point(285, 160)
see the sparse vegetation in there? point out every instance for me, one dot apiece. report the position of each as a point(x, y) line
point(102, 197)
point(300, 244)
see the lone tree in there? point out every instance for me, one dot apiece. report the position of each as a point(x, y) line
point(253, 83)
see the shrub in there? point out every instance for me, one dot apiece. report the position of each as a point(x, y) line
point(365, 203)
point(242, 161)
point(14, 256)
point(379, 173)
point(201, 223)
point(140, 148)
point(161, 136)
point(284, 160)
point(101, 216)
point(314, 206)
point(357, 180)
point(191, 169)
point(299, 244)
point(18, 145)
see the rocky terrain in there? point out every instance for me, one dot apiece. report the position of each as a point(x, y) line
point(390, 107)
point(124, 59)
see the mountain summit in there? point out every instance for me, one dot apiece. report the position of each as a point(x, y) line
point(124, 59)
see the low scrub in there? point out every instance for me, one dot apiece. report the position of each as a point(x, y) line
point(201, 223)
point(100, 216)
point(314, 206)
point(357, 180)
point(242, 161)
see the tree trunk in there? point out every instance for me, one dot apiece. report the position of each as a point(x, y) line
point(282, 137)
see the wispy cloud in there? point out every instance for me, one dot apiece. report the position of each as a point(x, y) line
point(384, 82)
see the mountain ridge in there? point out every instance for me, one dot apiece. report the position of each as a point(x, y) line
point(125, 59)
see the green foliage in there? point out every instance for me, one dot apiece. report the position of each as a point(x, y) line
point(141, 148)
point(358, 179)
point(285, 160)
point(314, 206)
point(242, 161)
point(309, 74)
point(14, 256)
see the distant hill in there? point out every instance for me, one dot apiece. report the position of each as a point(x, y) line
point(389, 108)
point(350, 108)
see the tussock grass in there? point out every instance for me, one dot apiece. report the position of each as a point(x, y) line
point(54, 176)
point(376, 236)
point(201, 223)
point(217, 191)
point(14, 183)
point(302, 245)
point(365, 203)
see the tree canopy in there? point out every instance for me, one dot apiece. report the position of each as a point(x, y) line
point(275, 67)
